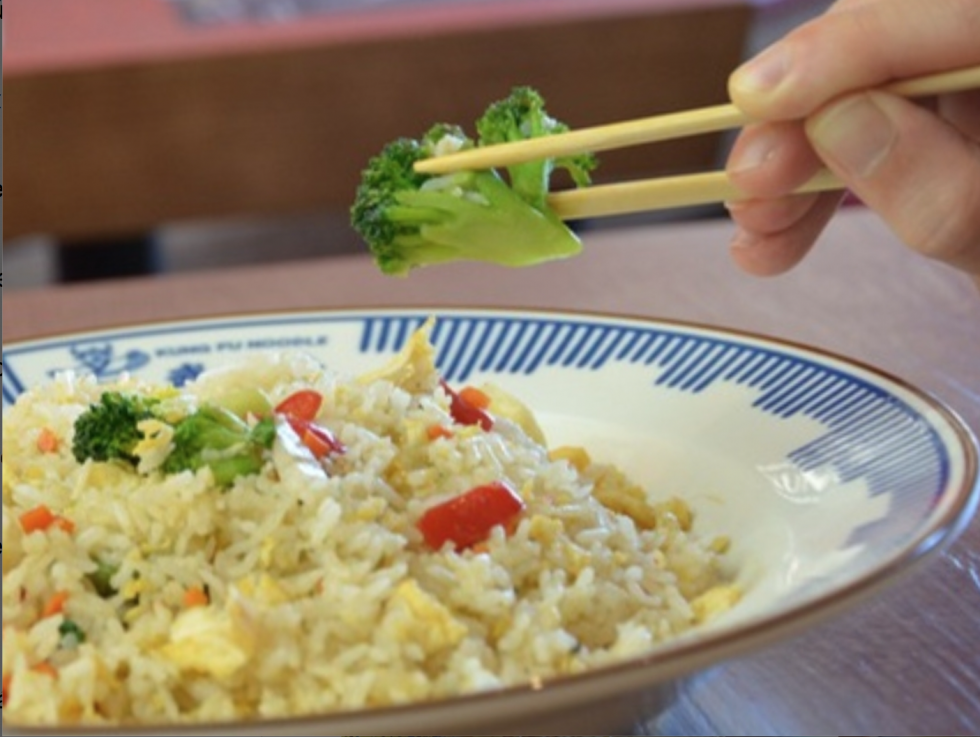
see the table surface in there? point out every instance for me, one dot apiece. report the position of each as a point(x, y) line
point(908, 661)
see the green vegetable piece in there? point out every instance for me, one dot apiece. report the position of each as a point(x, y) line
point(101, 578)
point(411, 220)
point(71, 634)
point(521, 116)
point(214, 437)
point(244, 400)
point(108, 430)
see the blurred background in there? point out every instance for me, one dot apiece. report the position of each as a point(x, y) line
point(153, 136)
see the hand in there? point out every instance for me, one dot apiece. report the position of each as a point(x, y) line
point(917, 165)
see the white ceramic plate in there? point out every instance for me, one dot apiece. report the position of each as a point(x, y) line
point(831, 478)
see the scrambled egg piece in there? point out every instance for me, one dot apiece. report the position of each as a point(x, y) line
point(155, 446)
point(413, 615)
point(13, 539)
point(576, 456)
point(413, 368)
point(266, 590)
point(616, 492)
point(544, 529)
point(504, 404)
point(678, 509)
point(9, 478)
point(218, 642)
point(133, 588)
point(715, 601)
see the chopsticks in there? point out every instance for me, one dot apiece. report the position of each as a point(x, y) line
point(663, 193)
point(667, 192)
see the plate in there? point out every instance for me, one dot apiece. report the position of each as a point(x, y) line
point(830, 477)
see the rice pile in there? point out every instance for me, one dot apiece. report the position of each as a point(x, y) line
point(319, 590)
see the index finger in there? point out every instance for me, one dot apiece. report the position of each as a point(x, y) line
point(857, 45)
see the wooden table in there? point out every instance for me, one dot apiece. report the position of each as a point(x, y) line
point(114, 102)
point(908, 662)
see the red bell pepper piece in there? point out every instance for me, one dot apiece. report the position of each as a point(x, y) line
point(303, 404)
point(467, 519)
point(300, 409)
point(464, 412)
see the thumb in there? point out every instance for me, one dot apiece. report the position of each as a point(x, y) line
point(919, 173)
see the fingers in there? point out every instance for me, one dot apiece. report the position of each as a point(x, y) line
point(918, 167)
point(771, 159)
point(775, 235)
point(918, 171)
point(962, 112)
point(767, 216)
point(858, 45)
point(775, 231)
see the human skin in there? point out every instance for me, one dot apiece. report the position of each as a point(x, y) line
point(916, 163)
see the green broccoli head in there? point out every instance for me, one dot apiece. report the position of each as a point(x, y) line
point(210, 436)
point(410, 220)
point(520, 116)
point(214, 437)
point(108, 430)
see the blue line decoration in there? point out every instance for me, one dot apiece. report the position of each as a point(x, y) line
point(184, 373)
point(908, 452)
point(101, 360)
point(851, 410)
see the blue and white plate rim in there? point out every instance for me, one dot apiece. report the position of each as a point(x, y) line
point(792, 378)
point(386, 327)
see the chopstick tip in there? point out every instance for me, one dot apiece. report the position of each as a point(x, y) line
point(424, 166)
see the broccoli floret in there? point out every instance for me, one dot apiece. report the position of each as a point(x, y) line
point(520, 116)
point(211, 436)
point(217, 438)
point(410, 219)
point(108, 430)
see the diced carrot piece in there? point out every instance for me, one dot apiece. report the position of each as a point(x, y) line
point(37, 519)
point(195, 597)
point(47, 441)
point(320, 441)
point(45, 669)
point(55, 605)
point(6, 687)
point(474, 397)
point(438, 431)
point(318, 444)
point(41, 519)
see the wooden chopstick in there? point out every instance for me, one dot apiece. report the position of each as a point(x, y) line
point(598, 138)
point(656, 128)
point(664, 193)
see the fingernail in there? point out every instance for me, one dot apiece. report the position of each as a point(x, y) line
point(763, 73)
point(757, 151)
point(856, 134)
point(743, 239)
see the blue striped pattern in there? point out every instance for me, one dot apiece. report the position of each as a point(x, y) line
point(12, 388)
point(908, 455)
point(857, 415)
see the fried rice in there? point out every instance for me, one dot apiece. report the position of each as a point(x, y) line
point(311, 586)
